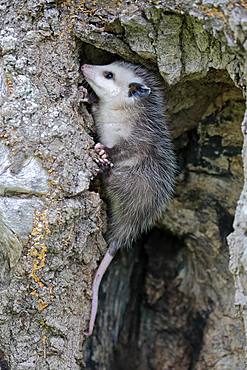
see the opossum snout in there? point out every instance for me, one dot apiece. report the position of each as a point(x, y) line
point(88, 70)
point(85, 66)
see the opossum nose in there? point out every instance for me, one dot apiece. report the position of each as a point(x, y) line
point(85, 66)
point(87, 70)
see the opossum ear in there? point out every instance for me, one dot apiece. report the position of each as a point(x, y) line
point(138, 90)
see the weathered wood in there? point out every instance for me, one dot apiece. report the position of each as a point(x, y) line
point(169, 303)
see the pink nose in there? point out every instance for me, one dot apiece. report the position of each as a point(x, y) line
point(85, 66)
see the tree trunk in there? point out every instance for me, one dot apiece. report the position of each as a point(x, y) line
point(171, 302)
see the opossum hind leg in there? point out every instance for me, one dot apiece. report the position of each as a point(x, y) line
point(111, 252)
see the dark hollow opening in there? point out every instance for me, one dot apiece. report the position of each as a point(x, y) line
point(163, 303)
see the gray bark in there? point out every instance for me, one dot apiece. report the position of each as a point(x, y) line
point(171, 302)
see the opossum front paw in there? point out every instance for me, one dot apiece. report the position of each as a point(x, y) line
point(103, 159)
point(84, 94)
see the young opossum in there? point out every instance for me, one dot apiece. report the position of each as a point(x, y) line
point(135, 148)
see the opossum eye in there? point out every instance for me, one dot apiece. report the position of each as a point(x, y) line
point(108, 75)
point(138, 90)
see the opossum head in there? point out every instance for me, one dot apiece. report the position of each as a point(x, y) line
point(116, 83)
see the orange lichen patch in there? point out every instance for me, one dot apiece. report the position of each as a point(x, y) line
point(243, 3)
point(42, 305)
point(34, 293)
point(87, 7)
point(44, 344)
point(38, 248)
point(9, 83)
point(3, 134)
point(215, 11)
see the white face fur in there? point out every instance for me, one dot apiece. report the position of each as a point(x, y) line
point(114, 83)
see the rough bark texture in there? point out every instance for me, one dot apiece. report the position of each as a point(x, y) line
point(171, 302)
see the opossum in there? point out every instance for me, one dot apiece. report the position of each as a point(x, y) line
point(135, 149)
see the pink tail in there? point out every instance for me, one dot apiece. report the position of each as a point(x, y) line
point(96, 284)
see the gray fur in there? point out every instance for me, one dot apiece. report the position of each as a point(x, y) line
point(133, 132)
point(142, 180)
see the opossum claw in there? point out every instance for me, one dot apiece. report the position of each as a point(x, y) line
point(103, 159)
point(84, 95)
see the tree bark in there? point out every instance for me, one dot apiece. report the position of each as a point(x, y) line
point(171, 302)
